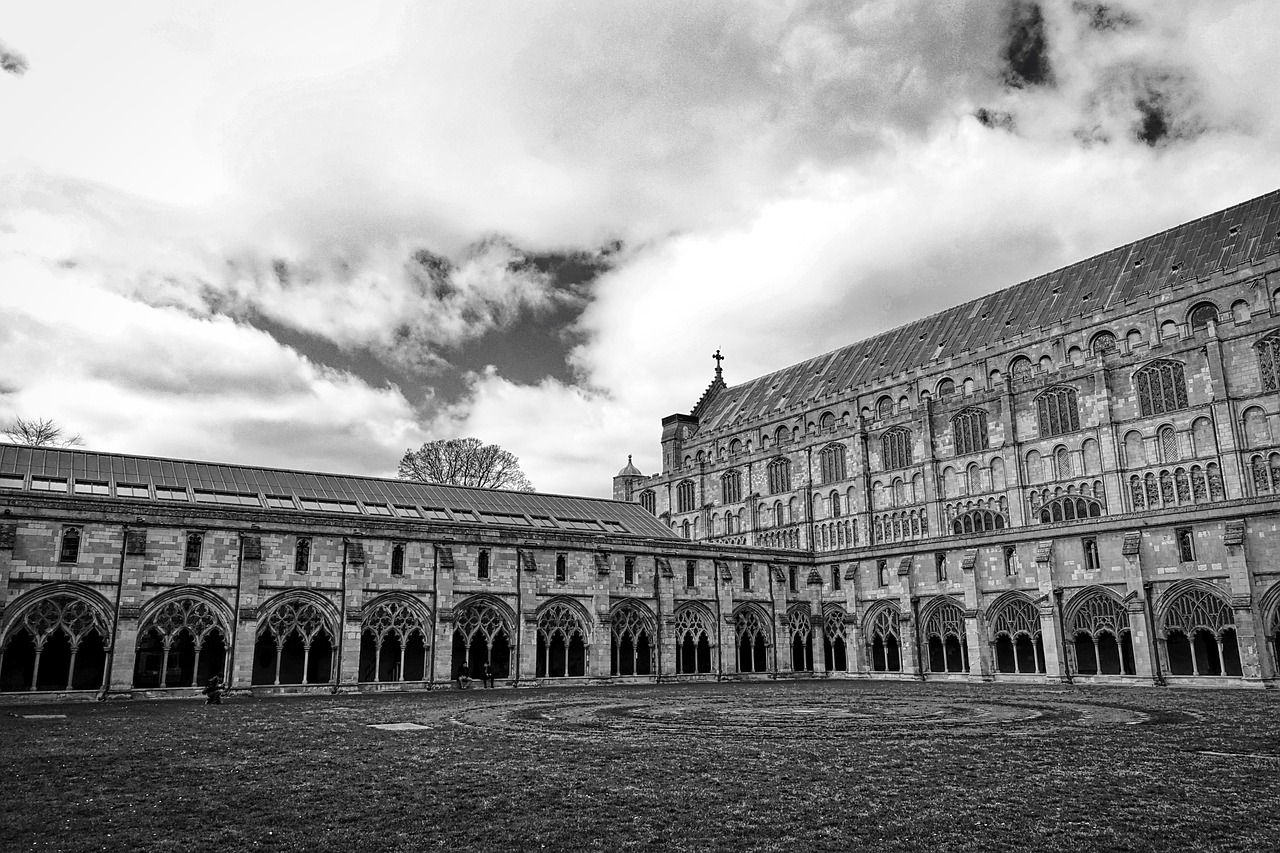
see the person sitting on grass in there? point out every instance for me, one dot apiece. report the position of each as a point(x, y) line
point(213, 690)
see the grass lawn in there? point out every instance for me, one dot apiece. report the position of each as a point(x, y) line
point(797, 765)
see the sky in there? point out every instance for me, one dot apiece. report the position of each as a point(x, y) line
point(314, 235)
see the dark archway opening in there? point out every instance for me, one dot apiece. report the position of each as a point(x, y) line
point(834, 655)
point(148, 660)
point(937, 655)
point(1206, 651)
point(1006, 658)
point(213, 658)
point(1108, 654)
point(1028, 660)
point(878, 662)
point(1086, 654)
point(264, 659)
point(1178, 648)
point(1126, 653)
point(957, 655)
point(19, 662)
point(1230, 653)
point(55, 662)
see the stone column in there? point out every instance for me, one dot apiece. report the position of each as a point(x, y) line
point(724, 638)
point(526, 620)
point(1136, 606)
point(247, 599)
point(813, 593)
point(778, 616)
point(1055, 666)
point(974, 627)
point(1254, 663)
point(909, 626)
point(665, 608)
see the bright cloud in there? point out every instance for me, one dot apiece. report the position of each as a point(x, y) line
point(784, 179)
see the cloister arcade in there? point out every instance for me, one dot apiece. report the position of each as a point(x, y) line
point(1199, 631)
point(395, 634)
point(884, 645)
point(562, 640)
point(800, 629)
point(693, 639)
point(944, 634)
point(1016, 642)
point(482, 631)
point(182, 640)
point(632, 649)
point(1098, 627)
point(296, 641)
point(751, 628)
point(58, 640)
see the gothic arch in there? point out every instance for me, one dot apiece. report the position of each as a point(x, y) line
point(296, 639)
point(183, 638)
point(563, 631)
point(483, 633)
point(944, 632)
point(753, 634)
point(55, 638)
point(632, 632)
point(835, 645)
point(1197, 626)
point(884, 636)
point(800, 634)
point(694, 635)
point(395, 636)
point(1013, 629)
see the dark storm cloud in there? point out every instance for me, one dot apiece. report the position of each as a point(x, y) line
point(1026, 50)
point(994, 118)
point(1103, 17)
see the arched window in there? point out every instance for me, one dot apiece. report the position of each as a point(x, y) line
point(295, 645)
point(1035, 467)
point(1135, 455)
point(731, 487)
point(181, 644)
point(781, 435)
point(693, 640)
point(1103, 343)
point(1161, 388)
point(946, 388)
point(69, 552)
point(779, 516)
point(1062, 461)
point(884, 407)
point(1269, 361)
point(895, 448)
point(1015, 636)
point(1240, 311)
point(1168, 444)
point(1200, 316)
point(831, 463)
point(394, 638)
point(752, 641)
point(779, 476)
point(685, 497)
point(686, 529)
point(969, 431)
point(1134, 339)
point(1168, 329)
point(735, 448)
point(827, 422)
point(1099, 626)
point(1058, 411)
point(978, 521)
point(1020, 368)
point(835, 505)
point(1200, 634)
point(944, 631)
point(882, 638)
point(1092, 455)
point(59, 643)
point(631, 631)
point(192, 553)
point(1256, 431)
point(649, 501)
point(899, 492)
point(1069, 508)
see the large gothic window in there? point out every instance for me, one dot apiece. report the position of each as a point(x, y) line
point(58, 643)
point(693, 640)
point(882, 639)
point(731, 487)
point(895, 449)
point(394, 641)
point(1200, 635)
point(649, 501)
point(831, 463)
point(944, 630)
point(562, 643)
point(1058, 411)
point(779, 476)
point(751, 631)
point(1269, 361)
point(685, 497)
point(481, 634)
point(295, 645)
point(1015, 636)
point(181, 644)
point(969, 431)
point(1162, 387)
point(632, 649)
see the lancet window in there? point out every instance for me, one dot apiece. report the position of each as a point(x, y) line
point(1058, 411)
point(895, 448)
point(779, 476)
point(1162, 387)
point(1269, 361)
point(731, 487)
point(831, 464)
point(969, 431)
point(685, 500)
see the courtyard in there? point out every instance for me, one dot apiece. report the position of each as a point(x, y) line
point(806, 765)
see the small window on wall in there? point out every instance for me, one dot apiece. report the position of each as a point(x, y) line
point(69, 552)
point(882, 572)
point(746, 576)
point(397, 559)
point(1092, 562)
point(1009, 552)
point(629, 570)
point(1186, 544)
point(302, 555)
point(191, 557)
point(835, 578)
point(791, 578)
point(940, 563)
point(482, 564)
point(690, 572)
point(562, 567)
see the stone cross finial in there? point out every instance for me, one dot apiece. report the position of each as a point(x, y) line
point(719, 358)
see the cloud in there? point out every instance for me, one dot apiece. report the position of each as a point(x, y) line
point(12, 61)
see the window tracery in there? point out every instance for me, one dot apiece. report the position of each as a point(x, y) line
point(1269, 361)
point(831, 463)
point(779, 476)
point(685, 496)
point(1161, 387)
point(969, 431)
point(731, 487)
point(1058, 411)
point(895, 448)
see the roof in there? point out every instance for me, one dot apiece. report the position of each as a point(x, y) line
point(1223, 240)
point(631, 470)
point(82, 473)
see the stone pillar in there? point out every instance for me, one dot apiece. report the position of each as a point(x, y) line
point(813, 593)
point(909, 627)
point(778, 616)
point(1137, 606)
point(665, 608)
point(124, 644)
point(1254, 663)
point(526, 620)
point(854, 633)
point(348, 674)
point(974, 628)
point(247, 599)
point(1051, 627)
point(724, 638)
point(599, 663)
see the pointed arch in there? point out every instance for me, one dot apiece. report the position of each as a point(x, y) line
point(55, 637)
point(754, 636)
point(395, 634)
point(183, 638)
point(483, 632)
point(632, 630)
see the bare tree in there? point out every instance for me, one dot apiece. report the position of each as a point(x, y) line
point(40, 432)
point(464, 462)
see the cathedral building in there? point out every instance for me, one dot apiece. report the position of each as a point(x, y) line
point(1073, 479)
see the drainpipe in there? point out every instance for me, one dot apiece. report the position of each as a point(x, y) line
point(1157, 676)
point(435, 610)
point(115, 621)
point(229, 669)
point(342, 618)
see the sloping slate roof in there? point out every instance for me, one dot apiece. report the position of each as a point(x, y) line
point(209, 483)
point(1091, 286)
